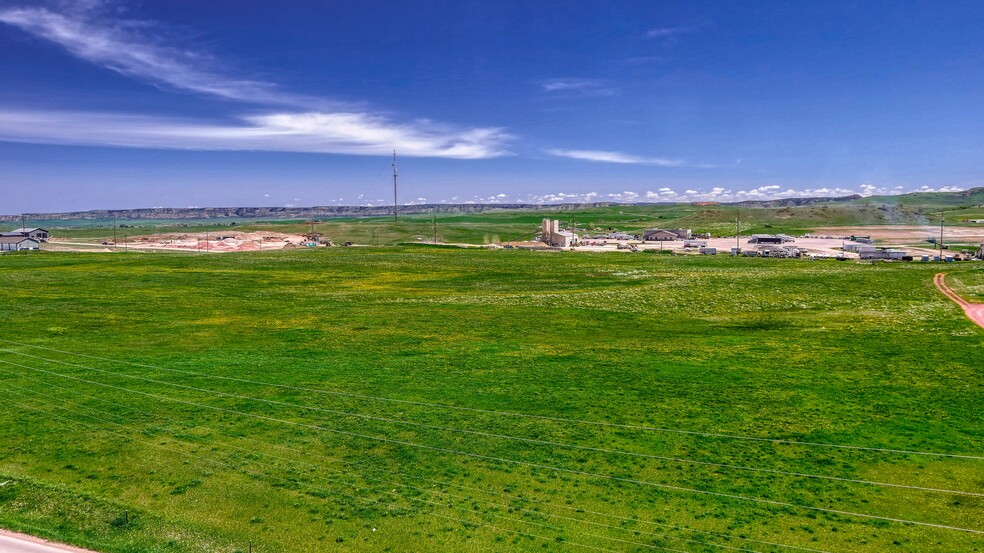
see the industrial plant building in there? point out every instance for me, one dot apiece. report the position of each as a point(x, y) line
point(551, 234)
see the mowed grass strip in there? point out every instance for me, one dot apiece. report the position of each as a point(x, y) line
point(810, 351)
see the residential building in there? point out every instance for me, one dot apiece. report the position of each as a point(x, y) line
point(39, 234)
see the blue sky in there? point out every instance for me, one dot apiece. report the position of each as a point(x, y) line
point(117, 104)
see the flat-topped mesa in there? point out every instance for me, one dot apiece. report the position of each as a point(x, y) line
point(288, 212)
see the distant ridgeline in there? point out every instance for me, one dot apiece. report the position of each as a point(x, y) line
point(290, 212)
point(972, 196)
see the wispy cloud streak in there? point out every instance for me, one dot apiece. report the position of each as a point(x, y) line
point(338, 133)
point(668, 32)
point(126, 48)
point(137, 50)
point(581, 87)
point(613, 157)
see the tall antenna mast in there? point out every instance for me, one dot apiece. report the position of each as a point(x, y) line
point(941, 235)
point(394, 187)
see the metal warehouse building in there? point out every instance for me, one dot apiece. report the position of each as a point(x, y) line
point(16, 243)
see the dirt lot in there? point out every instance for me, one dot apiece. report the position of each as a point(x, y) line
point(898, 233)
point(216, 243)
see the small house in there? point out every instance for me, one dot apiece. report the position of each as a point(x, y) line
point(39, 234)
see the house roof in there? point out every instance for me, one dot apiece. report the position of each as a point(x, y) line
point(14, 239)
point(25, 229)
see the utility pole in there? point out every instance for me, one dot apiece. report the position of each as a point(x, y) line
point(435, 227)
point(737, 230)
point(125, 248)
point(394, 188)
point(941, 235)
point(114, 232)
point(206, 238)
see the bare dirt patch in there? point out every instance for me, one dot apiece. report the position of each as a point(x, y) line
point(216, 242)
point(907, 233)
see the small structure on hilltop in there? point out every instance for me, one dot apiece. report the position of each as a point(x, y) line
point(551, 234)
point(18, 243)
point(665, 235)
point(39, 234)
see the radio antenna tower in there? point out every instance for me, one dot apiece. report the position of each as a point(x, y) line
point(394, 188)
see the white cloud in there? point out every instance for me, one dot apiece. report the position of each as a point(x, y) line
point(126, 46)
point(941, 189)
point(716, 194)
point(612, 157)
point(138, 49)
point(339, 133)
point(670, 32)
point(581, 87)
point(666, 31)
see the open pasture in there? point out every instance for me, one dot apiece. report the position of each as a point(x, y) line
point(432, 399)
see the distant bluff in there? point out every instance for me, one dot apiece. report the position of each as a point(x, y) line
point(289, 212)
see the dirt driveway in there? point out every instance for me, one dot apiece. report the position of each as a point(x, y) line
point(974, 311)
point(12, 542)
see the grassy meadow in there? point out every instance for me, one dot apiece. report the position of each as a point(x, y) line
point(440, 399)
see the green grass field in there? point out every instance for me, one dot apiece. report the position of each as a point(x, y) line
point(430, 399)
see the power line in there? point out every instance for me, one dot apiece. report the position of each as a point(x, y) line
point(522, 415)
point(355, 464)
point(529, 464)
point(509, 437)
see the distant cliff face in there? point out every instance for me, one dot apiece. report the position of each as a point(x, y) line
point(973, 194)
point(794, 202)
point(285, 212)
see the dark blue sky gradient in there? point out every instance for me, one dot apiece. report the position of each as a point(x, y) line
point(707, 100)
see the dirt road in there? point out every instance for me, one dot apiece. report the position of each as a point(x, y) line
point(12, 542)
point(974, 311)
